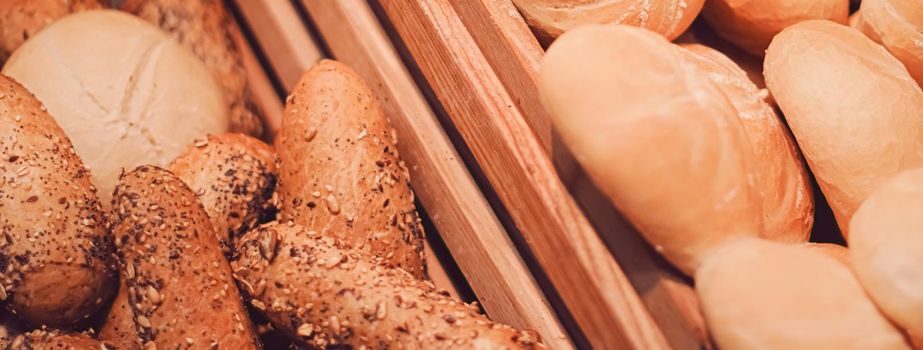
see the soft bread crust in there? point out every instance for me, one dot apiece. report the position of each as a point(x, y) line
point(655, 135)
point(551, 18)
point(758, 294)
point(320, 292)
point(781, 178)
point(119, 328)
point(898, 25)
point(22, 19)
point(751, 24)
point(57, 265)
point(202, 26)
point(55, 340)
point(886, 242)
point(836, 251)
point(234, 176)
point(340, 171)
point(179, 285)
point(853, 108)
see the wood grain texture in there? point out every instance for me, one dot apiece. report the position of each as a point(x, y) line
point(471, 231)
point(265, 97)
point(593, 287)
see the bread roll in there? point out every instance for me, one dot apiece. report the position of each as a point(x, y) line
point(122, 90)
point(781, 179)
point(550, 18)
point(886, 243)
point(340, 171)
point(655, 135)
point(54, 340)
point(898, 25)
point(327, 295)
point(202, 26)
point(234, 176)
point(55, 252)
point(758, 294)
point(22, 19)
point(854, 110)
point(751, 24)
point(119, 328)
point(838, 252)
point(180, 288)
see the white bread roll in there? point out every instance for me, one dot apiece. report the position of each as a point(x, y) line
point(123, 91)
point(854, 110)
point(886, 245)
point(655, 135)
point(758, 294)
point(781, 179)
point(751, 24)
point(898, 25)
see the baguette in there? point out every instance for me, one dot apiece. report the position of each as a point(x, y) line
point(179, 285)
point(853, 108)
point(22, 19)
point(326, 295)
point(53, 340)
point(340, 172)
point(898, 25)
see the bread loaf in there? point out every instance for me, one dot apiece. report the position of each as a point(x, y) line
point(751, 24)
point(757, 294)
point(340, 172)
point(838, 252)
point(54, 340)
point(854, 110)
point(22, 19)
point(898, 25)
point(886, 242)
point(655, 135)
point(550, 18)
point(781, 179)
point(119, 328)
point(55, 252)
point(180, 288)
point(328, 296)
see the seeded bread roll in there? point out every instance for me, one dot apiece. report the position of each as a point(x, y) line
point(119, 328)
point(781, 179)
point(324, 294)
point(751, 24)
point(202, 26)
point(180, 288)
point(758, 294)
point(853, 108)
point(22, 19)
point(54, 340)
point(636, 116)
point(57, 257)
point(340, 171)
point(234, 176)
point(898, 25)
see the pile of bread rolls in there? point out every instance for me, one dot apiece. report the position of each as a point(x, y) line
point(132, 219)
point(701, 162)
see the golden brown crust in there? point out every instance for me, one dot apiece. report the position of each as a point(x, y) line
point(54, 340)
point(316, 290)
point(22, 19)
point(179, 284)
point(898, 25)
point(340, 171)
point(119, 327)
point(202, 26)
point(56, 264)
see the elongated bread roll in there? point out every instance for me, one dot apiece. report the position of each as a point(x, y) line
point(655, 135)
point(854, 110)
point(327, 295)
point(22, 19)
point(54, 340)
point(781, 179)
point(180, 288)
point(758, 294)
point(898, 25)
point(340, 171)
point(550, 18)
point(886, 243)
point(751, 24)
point(119, 328)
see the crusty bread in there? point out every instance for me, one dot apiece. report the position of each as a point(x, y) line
point(781, 178)
point(22, 19)
point(886, 243)
point(57, 257)
point(54, 340)
point(234, 176)
point(180, 288)
point(340, 171)
point(655, 135)
point(898, 25)
point(119, 328)
point(202, 26)
point(758, 294)
point(853, 108)
point(751, 24)
point(550, 18)
point(326, 295)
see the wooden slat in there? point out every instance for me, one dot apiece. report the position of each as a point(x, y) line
point(265, 97)
point(592, 286)
point(471, 231)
